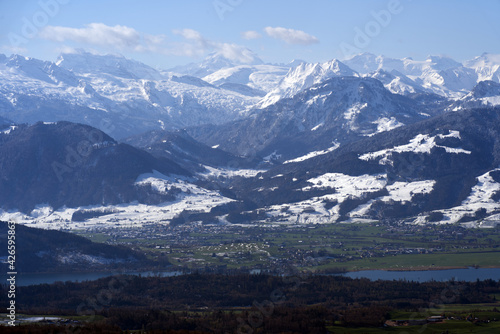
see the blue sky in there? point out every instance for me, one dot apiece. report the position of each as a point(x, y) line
point(167, 33)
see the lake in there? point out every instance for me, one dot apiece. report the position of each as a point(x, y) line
point(465, 274)
point(36, 278)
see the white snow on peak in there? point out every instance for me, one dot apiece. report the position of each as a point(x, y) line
point(9, 130)
point(85, 62)
point(304, 76)
point(217, 61)
point(437, 74)
point(261, 77)
point(486, 93)
point(113, 88)
point(364, 62)
point(396, 82)
point(484, 60)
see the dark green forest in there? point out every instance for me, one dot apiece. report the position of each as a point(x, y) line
point(214, 303)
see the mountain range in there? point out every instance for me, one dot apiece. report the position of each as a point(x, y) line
point(111, 92)
point(118, 142)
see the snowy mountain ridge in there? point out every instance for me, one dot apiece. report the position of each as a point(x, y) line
point(304, 76)
point(111, 92)
point(99, 90)
point(342, 144)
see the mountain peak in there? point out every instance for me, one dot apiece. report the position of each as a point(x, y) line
point(442, 62)
point(339, 67)
point(364, 62)
point(486, 88)
point(117, 65)
point(484, 60)
point(295, 63)
point(245, 57)
point(304, 76)
point(219, 60)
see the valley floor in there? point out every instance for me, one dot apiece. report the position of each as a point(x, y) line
point(311, 248)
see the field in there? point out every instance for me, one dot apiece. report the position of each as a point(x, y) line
point(315, 248)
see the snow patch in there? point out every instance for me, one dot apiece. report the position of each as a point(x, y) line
point(314, 154)
point(479, 198)
point(9, 130)
point(346, 185)
point(387, 124)
point(213, 172)
point(420, 144)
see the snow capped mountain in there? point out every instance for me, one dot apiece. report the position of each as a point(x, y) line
point(446, 165)
point(396, 82)
point(364, 62)
point(304, 76)
point(372, 137)
point(486, 88)
point(259, 77)
point(40, 70)
point(112, 93)
point(437, 74)
point(486, 66)
point(342, 109)
point(442, 63)
point(214, 62)
point(486, 93)
point(118, 66)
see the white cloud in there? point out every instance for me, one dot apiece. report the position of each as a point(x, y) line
point(189, 34)
point(12, 49)
point(121, 37)
point(291, 36)
point(124, 38)
point(236, 52)
point(199, 45)
point(250, 35)
point(114, 38)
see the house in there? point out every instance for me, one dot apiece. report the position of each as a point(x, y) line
point(435, 318)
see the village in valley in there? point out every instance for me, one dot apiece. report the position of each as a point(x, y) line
point(319, 248)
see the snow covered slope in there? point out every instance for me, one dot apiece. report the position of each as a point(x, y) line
point(215, 62)
point(486, 66)
point(437, 74)
point(52, 171)
point(341, 109)
point(486, 93)
point(440, 170)
point(304, 76)
point(111, 93)
point(261, 77)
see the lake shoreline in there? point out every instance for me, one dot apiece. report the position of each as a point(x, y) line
point(428, 268)
point(188, 271)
